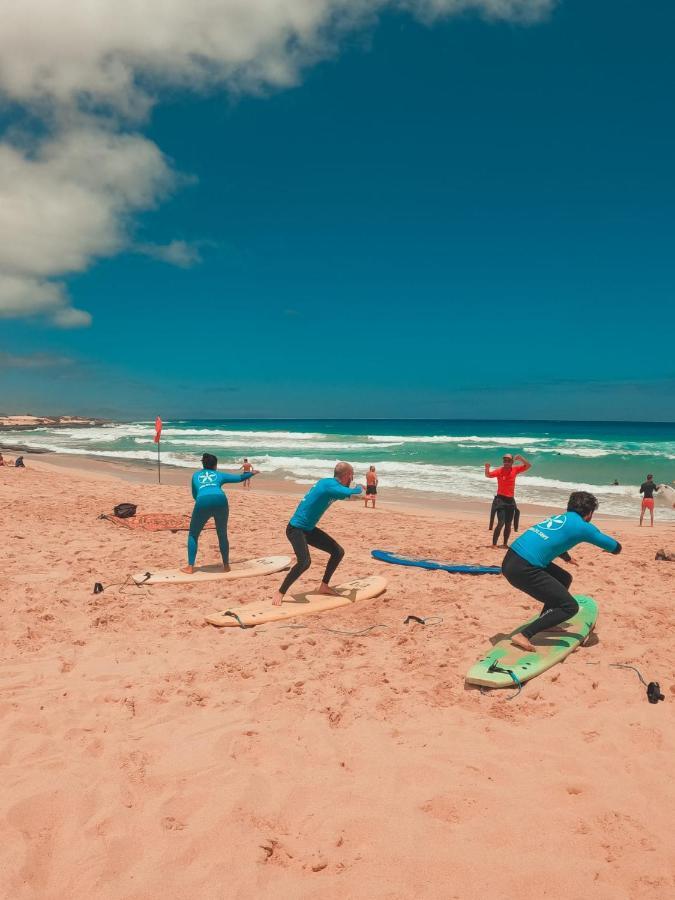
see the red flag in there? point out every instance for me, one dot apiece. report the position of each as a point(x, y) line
point(158, 429)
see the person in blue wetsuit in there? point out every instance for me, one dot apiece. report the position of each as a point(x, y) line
point(211, 502)
point(302, 532)
point(528, 564)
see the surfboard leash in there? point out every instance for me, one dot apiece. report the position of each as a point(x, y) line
point(512, 675)
point(653, 688)
point(122, 585)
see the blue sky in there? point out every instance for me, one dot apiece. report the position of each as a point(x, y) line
point(463, 218)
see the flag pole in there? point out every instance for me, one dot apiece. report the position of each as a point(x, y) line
point(158, 435)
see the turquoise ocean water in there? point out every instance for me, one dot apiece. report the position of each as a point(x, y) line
point(440, 456)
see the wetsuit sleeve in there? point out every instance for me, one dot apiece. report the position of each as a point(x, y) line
point(193, 485)
point(339, 491)
point(594, 536)
point(642, 488)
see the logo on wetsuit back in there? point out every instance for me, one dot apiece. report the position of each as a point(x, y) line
point(554, 523)
point(206, 479)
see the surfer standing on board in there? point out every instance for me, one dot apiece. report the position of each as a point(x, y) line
point(211, 502)
point(504, 502)
point(302, 532)
point(528, 564)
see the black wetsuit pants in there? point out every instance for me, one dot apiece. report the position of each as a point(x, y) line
point(315, 538)
point(505, 508)
point(549, 586)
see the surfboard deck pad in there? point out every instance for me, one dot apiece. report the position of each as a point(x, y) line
point(552, 647)
point(248, 568)
point(349, 592)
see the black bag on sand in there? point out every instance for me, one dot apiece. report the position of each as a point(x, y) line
point(125, 510)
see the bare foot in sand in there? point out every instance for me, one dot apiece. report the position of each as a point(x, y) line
point(226, 568)
point(327, 589)
point(188, 570)
point(277, 600)
point(519, 640)
point(494, 546)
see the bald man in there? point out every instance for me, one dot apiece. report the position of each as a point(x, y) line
point(302, 532)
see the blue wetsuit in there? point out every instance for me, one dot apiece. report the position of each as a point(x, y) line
point(316, 501)
point(211, 502)
point(542, 543)
point(302, 532)
point(528, 565)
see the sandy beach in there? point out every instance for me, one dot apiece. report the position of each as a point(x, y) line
point(148, 755)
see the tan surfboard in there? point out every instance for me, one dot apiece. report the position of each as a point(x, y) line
point(260, 611)
point(248, 568)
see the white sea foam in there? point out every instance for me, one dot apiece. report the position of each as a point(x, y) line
point(469, 439)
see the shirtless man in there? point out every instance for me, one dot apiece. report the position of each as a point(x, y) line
point(505, 502)
point(302, 532)
point(371, 487)
point(246, 467)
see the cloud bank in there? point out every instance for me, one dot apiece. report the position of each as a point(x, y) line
point(89, 71)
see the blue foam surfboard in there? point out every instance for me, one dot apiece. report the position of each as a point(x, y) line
point(455, 568)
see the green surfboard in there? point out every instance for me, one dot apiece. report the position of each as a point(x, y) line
point(552, 647)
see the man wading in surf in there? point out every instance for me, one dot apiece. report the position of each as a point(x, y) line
point(302, 532)
point(528, 564)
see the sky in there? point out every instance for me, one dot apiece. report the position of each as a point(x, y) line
point(338, 208)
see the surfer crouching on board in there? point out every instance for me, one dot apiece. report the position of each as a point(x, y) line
point(504, 502)
point(302, 532)
point(211, 502)
point(528, 564)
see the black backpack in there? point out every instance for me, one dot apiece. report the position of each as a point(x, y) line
point(125, 510)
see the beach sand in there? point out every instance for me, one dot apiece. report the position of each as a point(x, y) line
point(148, 755)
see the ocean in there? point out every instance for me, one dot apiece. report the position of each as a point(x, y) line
point(438, 456)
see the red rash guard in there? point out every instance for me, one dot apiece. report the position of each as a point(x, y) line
point(506, 479)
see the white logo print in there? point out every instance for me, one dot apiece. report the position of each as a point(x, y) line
point(206, 478)
point(554, 523)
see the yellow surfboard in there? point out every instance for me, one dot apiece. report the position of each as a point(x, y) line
point(260, 611)
point(247, 568)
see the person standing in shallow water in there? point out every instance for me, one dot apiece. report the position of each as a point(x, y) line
point(648, 489)
point(303, 533)
point(211, 503)
point(246, 467)
point(371, 487)
point(505, 501)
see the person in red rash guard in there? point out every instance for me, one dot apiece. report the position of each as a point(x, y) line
point(506, 476)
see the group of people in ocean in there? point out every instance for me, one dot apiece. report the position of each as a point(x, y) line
point(528, 564)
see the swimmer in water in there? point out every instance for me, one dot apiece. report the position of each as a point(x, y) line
point(303, 533)
point(211, 503)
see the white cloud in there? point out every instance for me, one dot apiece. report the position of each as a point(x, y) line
point(33, 361)
point(66, 204)
point(89, 68)
point(178, 253)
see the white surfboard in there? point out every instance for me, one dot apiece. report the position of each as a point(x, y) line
point(260, 611)
point(248, 568)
